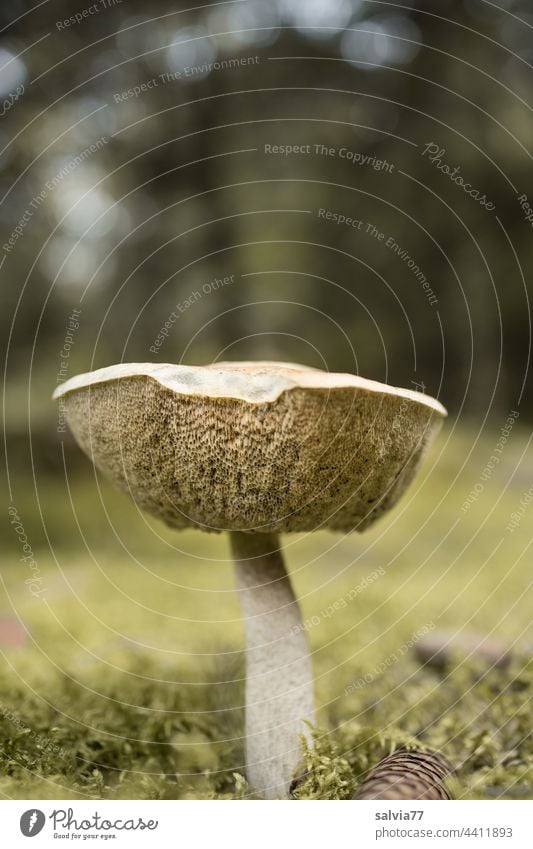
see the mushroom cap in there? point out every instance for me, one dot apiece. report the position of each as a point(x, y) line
point(251, 446)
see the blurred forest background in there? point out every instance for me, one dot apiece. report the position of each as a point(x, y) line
point(180, 191)
point(153, 208)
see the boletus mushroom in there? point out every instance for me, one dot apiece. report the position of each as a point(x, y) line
point(256, 449)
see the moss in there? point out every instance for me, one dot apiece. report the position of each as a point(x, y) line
point(130, 684)
point(166, 750)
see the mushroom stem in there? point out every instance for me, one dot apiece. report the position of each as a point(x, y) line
point(279, 680)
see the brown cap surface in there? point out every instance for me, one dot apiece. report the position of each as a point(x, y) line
point(270, 447)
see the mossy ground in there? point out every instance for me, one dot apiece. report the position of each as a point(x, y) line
point(128, 682)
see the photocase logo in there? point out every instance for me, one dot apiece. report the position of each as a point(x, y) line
point(32, 822)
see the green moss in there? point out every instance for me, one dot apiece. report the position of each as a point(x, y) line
point(175, 746)
point(130, 684)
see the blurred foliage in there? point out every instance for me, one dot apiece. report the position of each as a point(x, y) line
point(134, 203)
point(182, 192)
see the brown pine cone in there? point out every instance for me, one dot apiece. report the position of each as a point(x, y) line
point(407, 775)
point(440, 648)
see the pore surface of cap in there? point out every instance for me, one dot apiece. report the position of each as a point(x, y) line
point(258, 446)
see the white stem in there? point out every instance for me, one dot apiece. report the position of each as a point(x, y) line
point(279, 680)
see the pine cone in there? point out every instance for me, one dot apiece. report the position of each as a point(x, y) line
point(407, 775)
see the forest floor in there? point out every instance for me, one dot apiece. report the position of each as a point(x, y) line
point(123, 678)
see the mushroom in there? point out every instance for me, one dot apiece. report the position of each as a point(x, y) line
point(256, 449)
